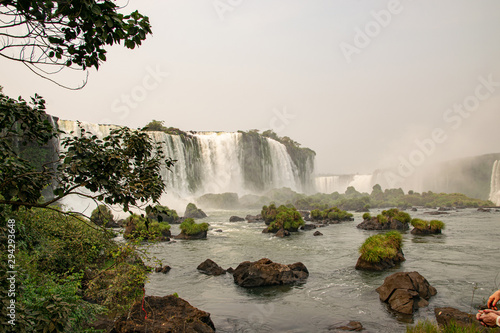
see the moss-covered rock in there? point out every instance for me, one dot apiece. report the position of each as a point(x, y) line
point(423, 227)
point(194, 212)
point(192, 230)
point(381, 251)
point(392, 219)
point(283, 217)
point(138, 227)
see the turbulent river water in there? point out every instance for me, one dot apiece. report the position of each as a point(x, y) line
point(462, 264)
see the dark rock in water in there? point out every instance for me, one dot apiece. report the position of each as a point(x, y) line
point(266, 231)
point(264, 272)
point(424, 232)
point(254, 218)
point(382, 265)
point(373, 224)
point(236, 219)
point(406, 292)
point(218, 230)
point(448, 315)
point(353, 326)
point(282, 233)
point(317, 233)
point(308, 227)
point(193, 212)
point(444, 209)
point(486, 210)
point(163, 269)
point(164, 314)
point(414, 209)
point(200, 235)
point(209, 267)
point(230, 270)
point(436, 213)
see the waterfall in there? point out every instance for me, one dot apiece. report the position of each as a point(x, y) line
point(495, 184)
point(219, 162)
point(340, 183)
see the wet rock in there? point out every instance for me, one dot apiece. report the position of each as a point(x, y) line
point(282, 233)
point(373, 224)
point(254, 218)
point(444, 209)
point(317, 233)
point(218, 230)
point(448, 315)
point(308, 226)
point(194, 212)
point(406, 292)
point(436, 213)
point(164, 314)
point(264, 272)
point(426, 231)
point(485, 210)
point(236, 219)
point(209, 267)
point(353, 326)
point(163, 269)
point(414, 209)
point(382, 265)
point(200, 235)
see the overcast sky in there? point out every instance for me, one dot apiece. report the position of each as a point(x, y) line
point(360, 82)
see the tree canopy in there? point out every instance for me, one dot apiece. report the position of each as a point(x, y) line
point(49, 35)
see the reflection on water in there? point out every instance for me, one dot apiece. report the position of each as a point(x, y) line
point(457, 263)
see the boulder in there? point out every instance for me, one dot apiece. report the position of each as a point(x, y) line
point(486, 210)
point(373, 224)
point(382, 265)
point(353, 326)
point(448, 315)
point(317, 233)
point(193, 212)
point(426, 231)
point(209, 267)
point(236, 219)
point(414, 209)
point(436, 212)
point(282, 233)
point(264, 272)
point(200, 235)
point(406, 292)
point(163, 269)
point(254, 218)
point(164, 314)
point(218, 230)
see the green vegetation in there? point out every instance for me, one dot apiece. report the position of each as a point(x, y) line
point(426, 326)
point(157, 126)
point(332, 214)
point(163, 214)
point(283, 217)
point(145, 230)
point(367, 216)
point(382, 246)
point(102, 215)
point(434, 225)
point(189, 227)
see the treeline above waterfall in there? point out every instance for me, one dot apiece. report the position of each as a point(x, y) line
point(218, 162)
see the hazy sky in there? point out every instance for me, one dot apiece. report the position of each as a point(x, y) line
point(360, 82)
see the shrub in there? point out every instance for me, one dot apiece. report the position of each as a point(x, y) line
point(381, 246)
point(189, 227)
point(419, 224)
point(153, 231)
point(316, 214)
point(269, 213)
point(102, 215)
point(436, 225)
point(287, 218)
point(367, 216)
point(382, 219)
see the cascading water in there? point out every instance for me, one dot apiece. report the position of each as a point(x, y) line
point(330, 184)
point(218, 162)
point(495, 183)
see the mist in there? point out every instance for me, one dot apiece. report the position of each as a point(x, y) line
point(366, 85)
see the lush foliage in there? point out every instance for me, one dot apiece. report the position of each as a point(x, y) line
point(424, 225)
point(102, 215)
point(332, 214)
point(283, 217)
point(367, 216)
point(381, 246)
point(158, 126)
point(189, 227)
point(163, 214)
point(66, 34)
point(427, 326)
point(144, 229)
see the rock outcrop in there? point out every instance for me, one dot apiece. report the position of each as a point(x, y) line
point(264, 272)
point(406, 292)
point(164, 314)
point(209, 267)
point(448, 315)
point(200, 235)
point(236, 219)
point(373, 224)
point(382, 265)
point(194, 212)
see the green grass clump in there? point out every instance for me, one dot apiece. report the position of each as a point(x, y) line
point(382, 246)
point(423, 224)
point(382, 219)
point(436, 225)
point(426, 326)
point(189, 227)
point(332, 213)
point(367, 216)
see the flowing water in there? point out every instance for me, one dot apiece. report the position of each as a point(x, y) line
point(462, 264)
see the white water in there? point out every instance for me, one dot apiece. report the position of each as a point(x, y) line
point(330, 184)
point(208, 162)
point(495, 184)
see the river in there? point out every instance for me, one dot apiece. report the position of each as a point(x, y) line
point(462, 264)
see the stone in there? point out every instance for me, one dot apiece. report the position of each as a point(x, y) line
point(308, 226)
point(448, 315)
point(236, 219)
point(163, 269)
point(254, 218)
point(209, 267)
point(193, 212)
point(353, 326)
point(317, 233)
point(382, 265)
point(164, 314)
point(406, 292)
point(282, 233)
point(264, 272)
point(200, 235)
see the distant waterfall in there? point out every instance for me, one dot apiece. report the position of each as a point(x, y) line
point(495, 183)
point(218, 162)
point(330, 184)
